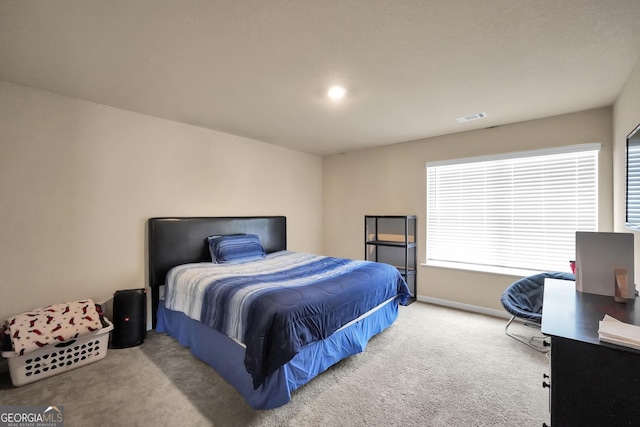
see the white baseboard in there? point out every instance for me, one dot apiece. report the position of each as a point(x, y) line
point(467, 307)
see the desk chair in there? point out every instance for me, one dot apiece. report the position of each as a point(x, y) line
point(523, 300)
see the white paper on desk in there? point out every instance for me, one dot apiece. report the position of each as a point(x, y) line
point(617, 332)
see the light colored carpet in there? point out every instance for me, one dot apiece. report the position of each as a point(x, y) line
point(434, 367)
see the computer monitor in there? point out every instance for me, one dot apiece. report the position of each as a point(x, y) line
point(598, 254)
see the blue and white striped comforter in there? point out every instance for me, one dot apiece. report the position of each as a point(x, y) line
point(278, 304)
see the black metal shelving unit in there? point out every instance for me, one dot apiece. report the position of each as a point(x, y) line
point(392, 239)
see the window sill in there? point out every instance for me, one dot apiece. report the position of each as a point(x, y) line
point(505, 271)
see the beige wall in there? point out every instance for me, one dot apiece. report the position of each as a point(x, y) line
point(391, 181)
point(626, 116)
point(78, 180)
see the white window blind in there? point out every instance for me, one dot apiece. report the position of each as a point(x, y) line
point(513, 211)
point(633, 183)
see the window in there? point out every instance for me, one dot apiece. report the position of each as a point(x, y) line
point(633, 180)
point(515, 211)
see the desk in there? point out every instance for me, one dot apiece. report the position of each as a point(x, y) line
point(592, 383)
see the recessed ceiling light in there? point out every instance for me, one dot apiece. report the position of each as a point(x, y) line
point(336, 92)
point(471, 117)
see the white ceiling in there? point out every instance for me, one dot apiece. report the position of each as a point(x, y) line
point(260, 68)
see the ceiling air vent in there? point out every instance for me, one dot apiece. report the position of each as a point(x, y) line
point(471, 117)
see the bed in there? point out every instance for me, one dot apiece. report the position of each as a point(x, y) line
point(268, 320)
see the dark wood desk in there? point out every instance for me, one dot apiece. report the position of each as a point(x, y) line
point(592, 383)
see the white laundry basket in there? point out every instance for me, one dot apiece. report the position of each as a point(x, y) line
point(53, 360)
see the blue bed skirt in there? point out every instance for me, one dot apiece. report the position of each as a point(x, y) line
point(227, 357)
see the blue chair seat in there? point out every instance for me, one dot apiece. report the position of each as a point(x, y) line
point(523, 298)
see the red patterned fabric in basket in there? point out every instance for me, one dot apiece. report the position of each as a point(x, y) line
point(52, 324)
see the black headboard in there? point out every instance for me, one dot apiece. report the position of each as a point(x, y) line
point(181, 240)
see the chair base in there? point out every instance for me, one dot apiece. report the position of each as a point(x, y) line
point(543, 347)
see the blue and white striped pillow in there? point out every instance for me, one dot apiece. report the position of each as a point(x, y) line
point(235, 248)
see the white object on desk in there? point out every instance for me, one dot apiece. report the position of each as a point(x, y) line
point(597, 256)
point(614, 331)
